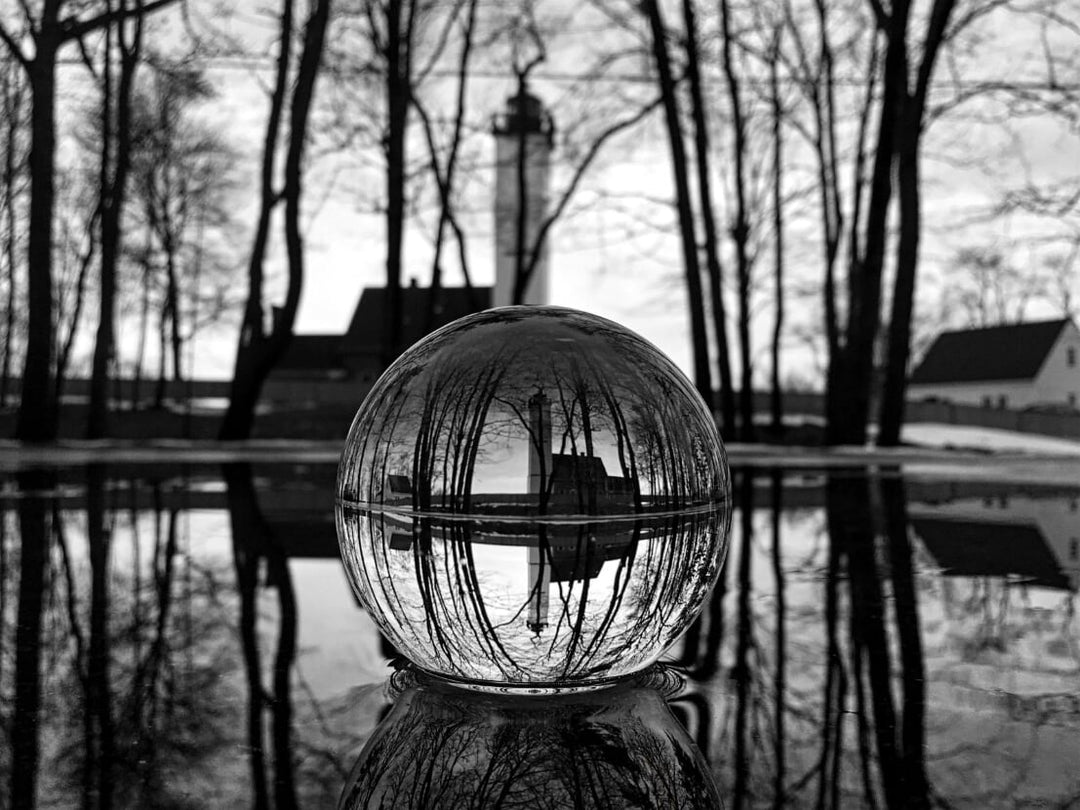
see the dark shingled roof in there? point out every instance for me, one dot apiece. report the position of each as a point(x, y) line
point(1013, 352)
point(365, 333)
point(306, 352)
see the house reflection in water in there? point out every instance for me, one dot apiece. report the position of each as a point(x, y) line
point(1023, 535)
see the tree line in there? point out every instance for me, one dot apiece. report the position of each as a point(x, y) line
point(793, 128)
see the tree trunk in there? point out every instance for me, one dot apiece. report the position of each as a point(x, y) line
point(12, 101)
point(712, 243)
point(907, 257)
point(776, 405)
point(247, 375)
point(695, 299)
point(907, 254)
point(398, 93)
point(63, 355)
point(103, 340)
point(144, 323)
point(37, 419)
point(111, 234)
point(740, 233)
point(855, 378)
point(259, 352)
point(159, 387)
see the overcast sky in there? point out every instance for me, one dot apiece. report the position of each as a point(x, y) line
point(617, 254)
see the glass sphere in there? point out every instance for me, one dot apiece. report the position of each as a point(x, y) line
point(533, 498)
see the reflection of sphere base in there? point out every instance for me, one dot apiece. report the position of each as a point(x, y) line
point(539, 688)
point(445, 748)
point(533, 498)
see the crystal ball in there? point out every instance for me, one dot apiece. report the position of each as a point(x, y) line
point(533, 498)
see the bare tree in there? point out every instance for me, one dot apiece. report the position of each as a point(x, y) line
point(48, 32)
point(12, 107)
point(399, 27)
point(911, 122)
point(259, 349)
point(712, 242)
point(776, 406)
point(740, 229)
point(679, 162)
point(181, 183)
point(115, 164)
point(445, 173)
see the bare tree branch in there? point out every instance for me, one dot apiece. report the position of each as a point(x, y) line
point(13, 48)
point(72, 28)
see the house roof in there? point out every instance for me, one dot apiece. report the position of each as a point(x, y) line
point(306, 352)
point(1014, 352)
point(365, 332)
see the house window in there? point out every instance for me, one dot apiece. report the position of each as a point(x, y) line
point(988, 402)
point(1003, 401)
point(1072, 400)
point(1070, 356)
point(1074, 548)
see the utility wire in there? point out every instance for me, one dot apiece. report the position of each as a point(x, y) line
point(250, 63)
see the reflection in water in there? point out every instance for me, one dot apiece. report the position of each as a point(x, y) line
point(252, 544)
point(533, 497)
point(33, 552)
point(186, 638)
point(444, 748)
point(549, 604)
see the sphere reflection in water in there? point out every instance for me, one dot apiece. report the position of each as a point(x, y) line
point(533, 497)
point(446, 748)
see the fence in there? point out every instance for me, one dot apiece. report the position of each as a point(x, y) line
point(315, 393)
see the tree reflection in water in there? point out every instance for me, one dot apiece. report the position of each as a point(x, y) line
point(873, 650)
point(445, 748)
point(450, 588)
point(869, 749)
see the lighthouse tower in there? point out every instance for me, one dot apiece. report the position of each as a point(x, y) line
point(524, 135)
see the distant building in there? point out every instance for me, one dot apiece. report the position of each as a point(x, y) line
point(354, 359)
point(1015, 366)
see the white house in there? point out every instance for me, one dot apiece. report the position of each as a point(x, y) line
point(1012, 366)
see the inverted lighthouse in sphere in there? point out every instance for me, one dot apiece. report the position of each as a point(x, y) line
point(524, 136)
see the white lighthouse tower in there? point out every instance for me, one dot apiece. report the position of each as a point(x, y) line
point(524, 135)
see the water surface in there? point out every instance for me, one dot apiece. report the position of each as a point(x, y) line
point(178, 636)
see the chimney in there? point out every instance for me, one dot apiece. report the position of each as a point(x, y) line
point(524, 122)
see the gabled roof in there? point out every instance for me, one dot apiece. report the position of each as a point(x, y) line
point(1014, 352)
point(306, 352)
point(365, 332)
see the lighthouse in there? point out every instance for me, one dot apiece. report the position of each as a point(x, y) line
point(524, 135)
point(539, 470)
